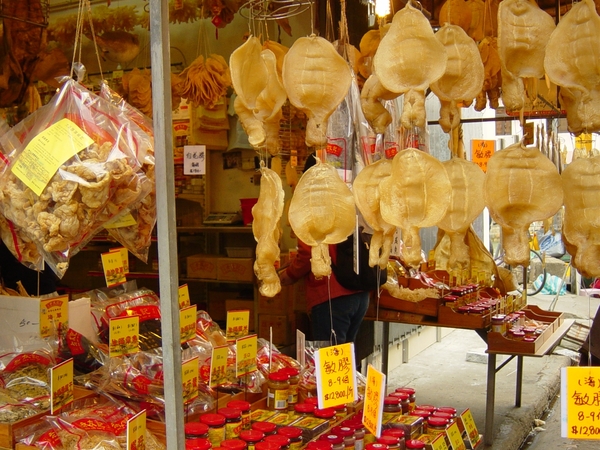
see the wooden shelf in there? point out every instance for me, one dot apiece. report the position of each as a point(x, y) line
point(215, 229)
point(131, 275)
point(210, 280)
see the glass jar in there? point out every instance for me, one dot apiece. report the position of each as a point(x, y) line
point(277, 391)
point(443, 415)
point(216, 427)
point(412, 397)
point(391, 404)
point(376, 446)
point(337, 442)
point(251, 438)
point(265, 445)
point(197, 444)
point(233, 422)
point(397, 433)
point(245, 408)
point(415, 444)
point(312, 401)
point(325, 413)
point(436, 425)
point(424, 415)
point(392, 442)
point(448, 410)
point(429, 408)
point(195, 430)
point(233, 444)
point(267, 428)
point(341, 411)
point(359, 432)
point(404, 401)
point(294, 379)
point(294, 434)
point(319, 445)
point(304, 410)
point(348, 434)
point(279, 439)
point(499, 323)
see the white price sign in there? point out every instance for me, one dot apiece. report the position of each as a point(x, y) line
point(194, 160)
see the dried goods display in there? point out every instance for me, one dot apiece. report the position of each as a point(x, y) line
point(521, 186)
point(408, 60)
point(206, 80)
point(316, 79)
point(370, 99)
point(416, 195)
point(488, 49)
point(572, 63)
point(476, 27)
point(266, 228)
point(279, 50)
point(322, 212)
point(523, 32)
point(456, 12)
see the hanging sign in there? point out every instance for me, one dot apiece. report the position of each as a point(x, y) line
point(187, 323)
point(189, 379)
point(374, 394)
point(336, 375)
point(246, 355)
point(218, 365)
point(470, 427)
point(54, 315)
point(184, 296)
point(237, 324)
point(481, 152)
point(114, 269)
point(123, 335)
point(61, 385)
point(136, 431)
point(124, 257)
point(580, 402)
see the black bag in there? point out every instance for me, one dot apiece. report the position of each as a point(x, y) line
point(367, 278)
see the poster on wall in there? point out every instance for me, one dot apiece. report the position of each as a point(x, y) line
point(194, 160)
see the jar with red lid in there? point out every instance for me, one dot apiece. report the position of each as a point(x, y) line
point(233, 444)
point(319, 445)
point(444, 415)
point(265, 445)
point(337, 442)
point(233, 422)
point(304, 409)
point(216, 427)
point(415, 444)
point(499, 323)
point(436, 425)
point(197, 444)
point(391, 404)
point(412, 397)
point(312, 401)
point(359, 432)
point(325, 413)
point(294, 434)
point(429, 408)
point(424, 415)
point(251, 438)
point(245, 408)
point(341, 411)
point(294, 379)
point(376, 446)
point(278, 386)
point(266, 428)
point(195, 430)
point(404, 401)
point(447, 409)
point(347, 433)
point(516, 334)
point(392, 442)
point(280, 439)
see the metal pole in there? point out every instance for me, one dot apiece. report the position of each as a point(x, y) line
point(490, 399)
point(519, 389)
point(166, 224)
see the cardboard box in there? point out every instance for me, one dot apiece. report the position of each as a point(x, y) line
point(235, 269)
point(202, 266)
point(232, 304)
point(282, 325)
point(278, 304)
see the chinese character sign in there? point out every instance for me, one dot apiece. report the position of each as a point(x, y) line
point(123, 335)
point(218, 365)
point(184, 296)
point(136, 431)
point(237, 324)
point(580, 402)
point(114, 269)
point(470, 427)
point(336, 375)
point(189, 379)
point(61, 385)
point(187, 323)
point(194, 160)
point(54, 315)
point(374, 394)
point(246, 355)
point(482, 151)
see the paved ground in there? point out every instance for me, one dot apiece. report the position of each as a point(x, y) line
point(442, 376)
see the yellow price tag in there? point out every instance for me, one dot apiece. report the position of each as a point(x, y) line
point(455, 437)
point(187, 323)
point(54, 315)
point(114, 270)
point(126, 220)
point(246, 355)
point(373, 407)
point(237, 324)
point(184, 296)
point(123, 335)
point(470, 427)
point(439, 443)
point(189, 379)
point(61, 385)
point(218, 365)
point(136, 431)
point(124, 257)
point(579, 394)
point(481, 152)
point(336, 375)
point(47, 151)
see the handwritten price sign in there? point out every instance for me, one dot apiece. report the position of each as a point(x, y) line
point(580, 403)
point(336, 375)
point(246, 355)
point(482, 151)
point(123, 335)
point(61, 385)
point(237, 324)
point(374, 393)
point(184, 296)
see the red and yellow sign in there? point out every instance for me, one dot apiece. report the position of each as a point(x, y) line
point(114, 269)
point(218, 366)
point(246, 355)
point(374, 394)
point(470, 427)
point(54, 315)
point(136, 431)
point(187, 323)
point(189, 379)
point(580, 405)
point(336, 375)
point(61, 385)
point(184, 296)
point(123, 335)
point(237, 324)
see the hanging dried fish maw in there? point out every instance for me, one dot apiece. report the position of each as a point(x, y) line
point(466, 203)
point(523, 32)
point(367, 197)
point(370, 100)
point(416, 195)
point(279, 50)
point(456, 12)
point(248, 71)
point(266, 229)
point(521, 186)
point(463, 78)
point(322, 212)
point(572, 61)
point(316, 79)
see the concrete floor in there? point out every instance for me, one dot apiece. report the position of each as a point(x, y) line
point(453, 372)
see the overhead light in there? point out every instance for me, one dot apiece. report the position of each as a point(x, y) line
point(382, 8)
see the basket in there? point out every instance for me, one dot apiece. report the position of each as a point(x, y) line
point(239, 252)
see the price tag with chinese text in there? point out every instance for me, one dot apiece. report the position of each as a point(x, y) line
point(218, 365)
point(54, 315)
point(374, 394)
point(481, 152)
point(189, 379)
point(114, 269)
point(470, 427)
point(455, 437)
point(336, 375)
point(123, 221)
point(194, 159)
point(187, 323)
point(439, 443)
point(124, 257)
point(61, 385)
point(136, 431)
point(580, 402)
point(237, 324)
point(246, 355)
point(123, 335)
point(184, 296)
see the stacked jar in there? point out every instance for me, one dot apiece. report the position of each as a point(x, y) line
point(197, 444)
point(396, 433)
point(412, 398)
point(294, 379)
point(251, 438)
point(278, 386)
point(233, 422)
point(216, 427)
point(347, 434)
point(244, 407)
point(294, 434)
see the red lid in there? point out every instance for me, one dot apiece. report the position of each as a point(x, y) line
point(403, 396)
point(342, 431)
point(391, 400)
point(233, 444)
point(265, 427)
point(251, 435)
point(279, 376)
point(195, 428)
point(447, 409)
point(408, 390)
point(388, 439)
point(312, 401)
point(230, 413)
point(267, 445)
point(420, 413)
point(339, 407)
point(290, 432)
point(445, 415)
point(197, 444)
point(529, 338)
point(333, 438)
point(304, 407)
point(415, 443)
point(212, 419)
point(376, 446)
point(290, 371)
point(325, 413)
point(351, 423)
point(426, 407)
point(319, 445)
point(279, 439)
point(396, 432)
point(239, 404)
point(437, 421)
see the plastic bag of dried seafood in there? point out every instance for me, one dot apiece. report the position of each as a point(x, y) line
point(72, 165)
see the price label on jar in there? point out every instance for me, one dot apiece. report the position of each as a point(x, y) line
point(580, 403)
point(218, 365)
point(189, 379)
point(184, 296)
point(246, 355)
point(114, 269)
point(54, 315)
point(470, 427)
point(136, 431)
point(455, 437)
point(123, 335)
point(373, 408)
point(336, 375)
point(61, 385)
point(237, 324)
point(187, 323)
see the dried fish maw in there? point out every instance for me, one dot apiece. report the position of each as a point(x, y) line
point(322, 212)
point(476, 27)
point(409, 56)
point(376, 114)
point(279, 50)
point(413, 110)
point(316, 79)
point(266, 228)
point(521, 186)
point(273, 96)
point(249, 74)
point(367, 197)
point(466, 203)
point(252, 126)
point(456, 12)
point(416, 195)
